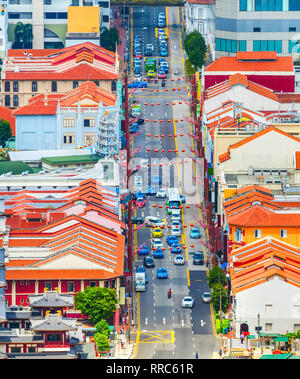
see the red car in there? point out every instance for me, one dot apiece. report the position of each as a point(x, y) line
point(140, 203)
point(162, 76)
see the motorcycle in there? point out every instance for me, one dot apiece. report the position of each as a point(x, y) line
point(163, 83)
point(169, 294)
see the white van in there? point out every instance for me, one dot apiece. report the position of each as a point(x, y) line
point(154, 221)
point(176, 215)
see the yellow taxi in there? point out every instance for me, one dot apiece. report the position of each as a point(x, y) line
point(156, 233)
point(151, 74)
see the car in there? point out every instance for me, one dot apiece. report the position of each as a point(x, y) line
point(157, 232)
point(154, 221)
point(137, 37)
point(151, 190)
point(195, 233)
point(134, 129)
point(162, 192)
point(161, 23)
point(158, 253)
point(143, 250)
point(140, 121)
point(150, 46)
point(137, 77)
point(156, 179)
point(139, 202)
point(187, 302)
point(160, 32)
point(139, 194)
point(176, 215)
point(206, 297)
point(148, 262)
point(137, 84)
point(171, 240)
point(198, 258)
point(175, 224)
point(179, 260)
point(151, 74)
point(164, 69)
point(137, 69)
point(148, 52)
point(162, 75)
point(140, 269)
point(138, 54)
point(163, 44)
point(162, 61)
point(156, 242)
point(164, 52)
point(176, 249)
point(137, 220)
point(175, 232)
point(162, 273)
point(182, 198)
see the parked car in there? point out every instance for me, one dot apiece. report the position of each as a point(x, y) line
point(206, 297)
point(198, 258)
point(195, 233)
point(162, 273)
point(161, 193)
point(179, 260)
point(148, 262)
point(187, 302)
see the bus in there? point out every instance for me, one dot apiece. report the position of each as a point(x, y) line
point(150, 64)
point(173, 199)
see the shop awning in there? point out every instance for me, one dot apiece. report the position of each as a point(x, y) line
point(281, 339)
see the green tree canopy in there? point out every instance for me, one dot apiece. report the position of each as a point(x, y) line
point(216, 275)
point(97, 303)
point(23, 36)
point(219, 292)
point(195, 47)
point(5, 131)
point(109, 38)
point(102, 327)
point(101, 342)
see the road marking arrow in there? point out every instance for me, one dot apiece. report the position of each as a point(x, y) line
point(146, 321)
point(203, 323)
point(164, 320)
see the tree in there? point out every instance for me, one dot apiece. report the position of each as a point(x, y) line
point(5, 131)
point(218, 292)
point(23, 36)
point(195, 47)
point(102, 327)
point(101, 342)
point(109, 38)
point(216, 275)
point(96, 303)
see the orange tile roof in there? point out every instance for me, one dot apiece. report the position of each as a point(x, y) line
point(7, 114)
point(67, 274)
point(252, 62)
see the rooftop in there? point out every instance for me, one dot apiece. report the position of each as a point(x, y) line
point(71, 159)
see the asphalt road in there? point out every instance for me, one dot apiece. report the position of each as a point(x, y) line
point(165, 329)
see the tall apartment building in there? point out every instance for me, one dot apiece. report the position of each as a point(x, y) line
point(257, 25)
point(49, 19)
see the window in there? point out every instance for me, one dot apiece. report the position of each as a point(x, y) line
point(283, 233)
point(16, 86)
point(93, 284)
point(62, 15)
point(257, 233)
point(105, 18)
point(96, 82)
point(113, 85)
point(243, 5)
point(268, 327)
point(34, 87)
point(54, 86)
point(292, 29)
point(70, 286)
point(201, 27)
point(16, 349)
point(47, 2)
point(268, 308)
point(113, 283)
point(106, 284)
point(13, 15)
point(68, 122)
point(31, 350)
point(15, 100)
point(7, 101)
point(75, 84)
point(268, 5)
point(89, 138)
point(69, 138)
point(242, 45)
point(89, 122)
point(103, 4)
point(238, 235)
point(267, 45)
point(7, 86)
point(294, 5)
point(53, 337)
point(229, 45)
point(48, 285)
point(256, 29)
point(294, 46)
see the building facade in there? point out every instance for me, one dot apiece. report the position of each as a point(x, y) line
point(3, 30)
point(49, 19)
point(257, 25)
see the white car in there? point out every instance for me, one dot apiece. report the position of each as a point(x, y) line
point(154, 221)
point(206, 297)
point(187, 302)
point(156, 242)
point(162, 192)
point(175, 231)
point(150, 46)
point(175, 224)
point(179, 260)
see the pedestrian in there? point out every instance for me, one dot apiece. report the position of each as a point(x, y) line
point(242, 337)
point(197, 356)
point(122, 345)
point(206, 262)
point(122, 331)
point(220, 352)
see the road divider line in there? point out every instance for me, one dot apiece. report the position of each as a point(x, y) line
point(188, 276)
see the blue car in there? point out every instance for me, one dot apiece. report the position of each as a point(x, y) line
point(182, 198)
point(176, 249)
point(164, 69)
point(162, 273)
point(164, 52)
point(138, 85)
point(156, 179)
point(140, 269)
point(172, 240)
point(134, 129)
point(161, 60)
point(151, 190)
point(195, 233)
point(139, 195)
point(143, 250)
point(158, 253)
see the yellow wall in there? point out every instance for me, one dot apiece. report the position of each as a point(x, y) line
point(293, 234)
point(83, 20)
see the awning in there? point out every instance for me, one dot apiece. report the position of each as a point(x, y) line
point(281, 339)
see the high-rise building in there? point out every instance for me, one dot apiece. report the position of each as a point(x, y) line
point(257, 25)
point(49, 19)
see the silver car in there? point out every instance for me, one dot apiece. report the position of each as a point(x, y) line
point(161, 193)
point(206, 297)
point(156, 242)
point(187, 302)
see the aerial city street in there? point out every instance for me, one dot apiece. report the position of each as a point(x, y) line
point(149, 181)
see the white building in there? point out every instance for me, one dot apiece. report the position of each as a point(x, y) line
point(3, 30)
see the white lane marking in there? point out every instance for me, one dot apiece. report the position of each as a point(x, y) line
point(164, 320)
point(202, 323)
point(146, 321)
